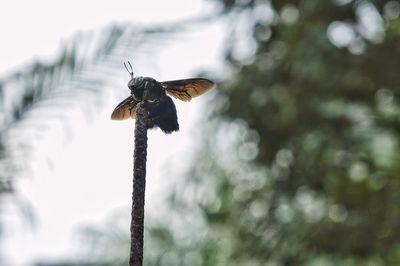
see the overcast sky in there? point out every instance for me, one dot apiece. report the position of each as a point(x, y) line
point(61, 192)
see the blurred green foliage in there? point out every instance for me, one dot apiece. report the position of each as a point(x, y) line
point(300, 163)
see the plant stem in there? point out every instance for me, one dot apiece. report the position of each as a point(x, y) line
point(139, 185)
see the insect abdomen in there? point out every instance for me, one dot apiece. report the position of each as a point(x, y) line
point(162, 113)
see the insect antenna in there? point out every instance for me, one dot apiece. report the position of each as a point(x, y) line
point(130, 72)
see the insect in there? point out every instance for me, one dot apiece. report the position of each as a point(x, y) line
point(154, 95)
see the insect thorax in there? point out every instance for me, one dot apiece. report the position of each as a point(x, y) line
point(145, 88)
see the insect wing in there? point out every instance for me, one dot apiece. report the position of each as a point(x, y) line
point(125, 109)
point(186, 89)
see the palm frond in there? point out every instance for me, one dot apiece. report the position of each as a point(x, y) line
point(40, 92)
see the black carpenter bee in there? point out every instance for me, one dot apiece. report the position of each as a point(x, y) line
point(153, 94)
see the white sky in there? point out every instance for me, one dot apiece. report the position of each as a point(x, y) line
point(91, 174)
